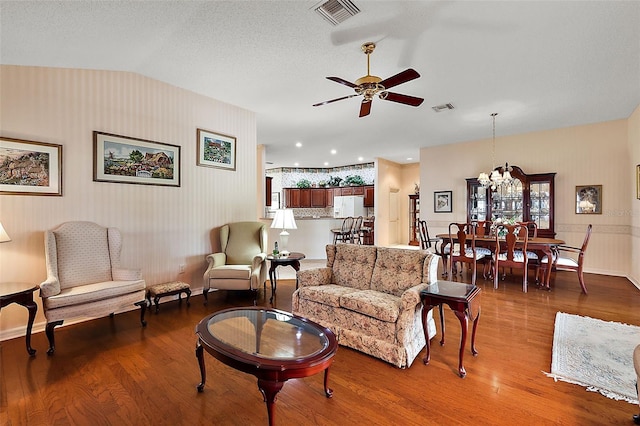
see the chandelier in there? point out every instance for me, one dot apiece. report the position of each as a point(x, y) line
point(495, 179)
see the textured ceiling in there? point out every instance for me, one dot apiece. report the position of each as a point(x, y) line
point(540, 65)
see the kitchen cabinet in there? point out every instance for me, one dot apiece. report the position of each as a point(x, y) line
point(414, 218)
point(267, 191)
point(530, 197)
point(291, 197)
point(369, 196)
point(318, 197)
point(305, 197)
point(329, 196)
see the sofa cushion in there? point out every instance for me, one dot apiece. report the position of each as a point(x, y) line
point(234, 272)
point(353, 265)
point(397, 270)
point(326, 294)
point(382, 306)
point(93, 292)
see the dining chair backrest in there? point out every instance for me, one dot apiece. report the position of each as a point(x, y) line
point(483, 228)
point(531, 228)
point(425, 241)
point(511, 244)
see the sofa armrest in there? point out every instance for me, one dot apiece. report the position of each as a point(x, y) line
point(50, 287)
point(258, 260)
point(316, 276)
point(430, 268)
point(126, 274)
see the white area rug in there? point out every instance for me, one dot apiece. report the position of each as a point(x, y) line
point(596, 354)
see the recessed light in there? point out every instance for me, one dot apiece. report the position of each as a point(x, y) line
point(326, 163)
point(360, 159)
point(296, 164)
point(298, 144)
point(409, 158)
point(334, 152)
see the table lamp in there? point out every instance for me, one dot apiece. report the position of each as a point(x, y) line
point(284, 220)
point(4, 237)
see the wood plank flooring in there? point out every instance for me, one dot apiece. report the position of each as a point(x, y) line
point(111, 371)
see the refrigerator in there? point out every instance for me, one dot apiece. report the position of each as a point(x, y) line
point(348, 205)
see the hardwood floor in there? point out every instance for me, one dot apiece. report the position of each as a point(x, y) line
point(112, 371)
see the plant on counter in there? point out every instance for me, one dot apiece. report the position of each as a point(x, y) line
point(322, 184)
point(303, 183)
point(354, 180)
point(334, 181)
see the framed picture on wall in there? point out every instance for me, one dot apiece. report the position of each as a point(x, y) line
point(442, 201)
point(638, 181)
point(30, 168)
point(122, 159)
point(589, 199)
point(216, 150)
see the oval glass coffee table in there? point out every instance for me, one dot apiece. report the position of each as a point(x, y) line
point(273, 345)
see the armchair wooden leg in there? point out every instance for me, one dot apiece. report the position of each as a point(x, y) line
point(50, 337)
point(204, 293)
point(143, 309)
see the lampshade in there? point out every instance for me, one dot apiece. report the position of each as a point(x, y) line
point(284, 220)
point(4, 237)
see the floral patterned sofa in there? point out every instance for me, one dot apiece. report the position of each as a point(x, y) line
point(370, 297)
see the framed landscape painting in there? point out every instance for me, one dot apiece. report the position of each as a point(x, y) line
point(216, 150)
point(442, 202)
point(30, 168)
point(122, 159)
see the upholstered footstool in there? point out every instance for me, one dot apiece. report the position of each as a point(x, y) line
point(168, 289)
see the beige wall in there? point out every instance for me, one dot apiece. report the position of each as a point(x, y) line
point(398, 179)
point(593, 154)
point(162, 227)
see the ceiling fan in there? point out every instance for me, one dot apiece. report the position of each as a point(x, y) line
point(371, 85)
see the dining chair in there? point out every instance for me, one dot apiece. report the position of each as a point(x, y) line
point(507, 255)
point(462, 248)
point(426, 242)
point(569, 259)
point(356, 233)
point(344, 233)
point(367, 230)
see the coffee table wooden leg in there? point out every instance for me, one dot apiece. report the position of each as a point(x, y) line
point(269, 390)
point(463, 340)
point(328, 392)
point(203, 372)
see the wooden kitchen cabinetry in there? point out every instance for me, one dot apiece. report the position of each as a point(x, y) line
point(267, 191)
point(527, 198)
point(323, 197)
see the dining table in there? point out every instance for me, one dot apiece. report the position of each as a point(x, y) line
point(542, 246)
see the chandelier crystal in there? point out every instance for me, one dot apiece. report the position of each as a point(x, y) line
point(495, 179)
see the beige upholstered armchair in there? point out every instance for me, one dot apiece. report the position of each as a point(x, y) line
point(84, 277)
point(241, 264)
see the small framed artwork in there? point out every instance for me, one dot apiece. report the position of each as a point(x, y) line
point(121, 159)
point(442, 201)
point(216, 150)
point(30, 168)
point(589, 199)
point(638, 181)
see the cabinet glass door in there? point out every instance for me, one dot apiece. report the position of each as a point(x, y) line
point(478, 203)
point(540, 204)
point(507, 202)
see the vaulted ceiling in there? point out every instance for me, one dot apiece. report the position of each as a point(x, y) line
point(540, 65)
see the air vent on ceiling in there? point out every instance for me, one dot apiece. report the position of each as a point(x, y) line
point(337, 11)
point(443, 107)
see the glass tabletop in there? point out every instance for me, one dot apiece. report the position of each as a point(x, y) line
point(449, 289)
point(268, 334)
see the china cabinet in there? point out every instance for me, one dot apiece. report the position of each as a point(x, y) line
point(414, 218)
point(529, 197)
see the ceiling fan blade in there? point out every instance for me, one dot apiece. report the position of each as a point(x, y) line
point(402, 99)
point(335, 100)
point(342, 81)
point(401, 77)
point(365, 107)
